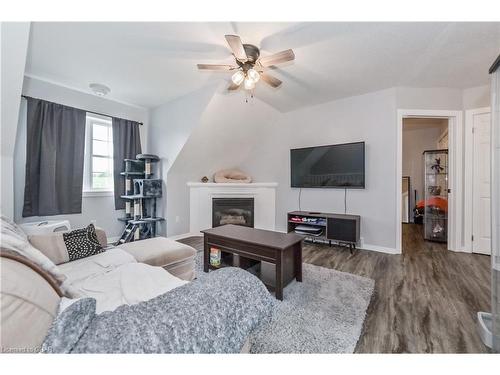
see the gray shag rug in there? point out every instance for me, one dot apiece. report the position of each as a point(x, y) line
point(322, 314)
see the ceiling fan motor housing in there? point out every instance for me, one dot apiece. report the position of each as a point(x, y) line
point(253, 54)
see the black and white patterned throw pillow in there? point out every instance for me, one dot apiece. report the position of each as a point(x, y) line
point(82, 243)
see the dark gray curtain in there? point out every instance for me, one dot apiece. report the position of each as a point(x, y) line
point(126, 145)
point(54, 159)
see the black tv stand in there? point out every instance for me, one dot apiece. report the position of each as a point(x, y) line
point(341, 228)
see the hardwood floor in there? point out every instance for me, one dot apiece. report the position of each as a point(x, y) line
point(425, 300)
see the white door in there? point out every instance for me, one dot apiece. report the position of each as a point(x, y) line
point(481, 190)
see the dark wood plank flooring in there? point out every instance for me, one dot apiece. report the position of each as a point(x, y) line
point(425, 300)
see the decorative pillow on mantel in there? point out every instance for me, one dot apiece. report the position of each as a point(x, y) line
point(232, 176)
point(82, 243)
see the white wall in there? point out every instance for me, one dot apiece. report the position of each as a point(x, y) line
point(15, 38)
point(224, 136)
point(101, 209)
point(257, 138)
point(369, 118)
point(170, 127)
point(476, 97)
point(429, 98)
point(416, 140)
point(227, 132)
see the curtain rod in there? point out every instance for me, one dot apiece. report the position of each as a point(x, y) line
point(95, 113)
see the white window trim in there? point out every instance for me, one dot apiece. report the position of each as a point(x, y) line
point(97, 193)
point(88, 192)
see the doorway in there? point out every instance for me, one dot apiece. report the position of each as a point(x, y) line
point(425, 165)
point(444, 192)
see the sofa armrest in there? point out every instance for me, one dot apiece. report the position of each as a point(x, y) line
point(101, 237)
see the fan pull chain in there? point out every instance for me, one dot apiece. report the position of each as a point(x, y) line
point(246, 96)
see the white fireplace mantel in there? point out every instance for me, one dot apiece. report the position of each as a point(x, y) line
point(201, 195)
point(232, 185)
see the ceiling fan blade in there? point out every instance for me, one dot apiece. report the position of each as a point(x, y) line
point(233, 86)
point(236, 46)
point(270, 80)
point(215, 67)
point(277, 58)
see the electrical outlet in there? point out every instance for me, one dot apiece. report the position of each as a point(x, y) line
point(93, 221)
point(177, 219)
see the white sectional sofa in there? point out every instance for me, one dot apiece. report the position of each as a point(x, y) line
point(135, 306)
point(128, 274)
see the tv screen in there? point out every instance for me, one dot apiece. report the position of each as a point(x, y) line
point(335, 166)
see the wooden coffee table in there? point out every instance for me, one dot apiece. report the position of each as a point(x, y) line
point(279, 254)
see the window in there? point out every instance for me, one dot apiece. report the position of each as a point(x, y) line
point(98, 166)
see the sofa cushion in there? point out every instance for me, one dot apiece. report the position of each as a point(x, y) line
point(184, 270)
point(52, 245)
point(159, 251)
point(29, 304)
point(111, 278)
point(81, 269)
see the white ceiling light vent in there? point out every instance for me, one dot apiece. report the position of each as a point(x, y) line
point(99, 89)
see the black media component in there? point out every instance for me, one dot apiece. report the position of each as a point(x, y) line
point(323, 226)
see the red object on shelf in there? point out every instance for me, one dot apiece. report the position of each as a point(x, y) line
point(438, 202)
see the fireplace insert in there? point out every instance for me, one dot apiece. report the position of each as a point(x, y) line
point(238, 211)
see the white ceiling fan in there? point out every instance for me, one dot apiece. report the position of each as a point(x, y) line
point(249, 67)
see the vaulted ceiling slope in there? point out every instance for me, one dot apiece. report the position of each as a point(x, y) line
point(148, 64)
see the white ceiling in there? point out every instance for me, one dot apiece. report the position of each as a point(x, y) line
point(148, 64)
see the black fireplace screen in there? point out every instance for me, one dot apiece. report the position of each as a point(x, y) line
point(238, 211)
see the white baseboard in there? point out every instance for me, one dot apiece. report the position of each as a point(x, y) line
point(380, 249)
point(367, 247)
point(462, 250)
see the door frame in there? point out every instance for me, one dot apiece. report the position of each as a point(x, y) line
point(409, 199)
point(469, 180)
point(455, 171)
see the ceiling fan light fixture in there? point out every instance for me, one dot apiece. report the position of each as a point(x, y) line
point(253, 75)
point(249, 66)
point(238, 77)
point(249, 84)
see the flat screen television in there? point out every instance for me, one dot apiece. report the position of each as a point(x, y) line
point(334, 166)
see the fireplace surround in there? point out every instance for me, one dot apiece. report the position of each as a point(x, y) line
point(201, 197)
